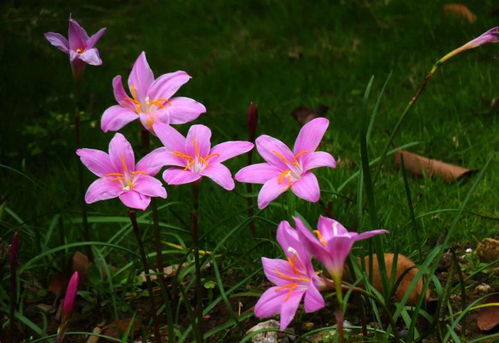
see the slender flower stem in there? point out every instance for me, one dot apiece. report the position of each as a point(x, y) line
point(250, 201)
point(13, 301)
point(195, 242)
point(133, 219)
point(339, 311)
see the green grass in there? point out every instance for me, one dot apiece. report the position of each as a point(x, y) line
point(237, 53)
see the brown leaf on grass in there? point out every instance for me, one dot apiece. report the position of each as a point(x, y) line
point(461, 11)
point(118, 328)
point(404, 265)
point(304, 114)
point(419, 165)
point(81, 263)
point(488, 317)
point(58, 283)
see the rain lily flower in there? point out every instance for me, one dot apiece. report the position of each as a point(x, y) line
point(285, 169)
point(151, 99)
point(195, 156)
point(488, 37)
point(80, 48)
point(69, 298)
point(332, 244)
point(119, 176)
point(293, 279)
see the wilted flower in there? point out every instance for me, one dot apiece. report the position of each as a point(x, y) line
point(79, 46)
point(285, 169)
point(488, 37)
point(195, 155)
point(119, 176)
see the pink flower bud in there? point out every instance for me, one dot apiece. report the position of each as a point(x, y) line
point(489, 37)
point(69, 298)
point(14, 249)
point(252, 121)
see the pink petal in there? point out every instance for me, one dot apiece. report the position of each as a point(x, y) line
point(141, 77)
point(318, 159)
point(95, 38)
point(269, 303)
point(274, 151)
point(307, 187)
point(230, 149)
point(102, 189)
point(289, 307)
point(198, 140)
point(368, 234)
point(120, 93)
point(77, 35)
point(91, 56)
point(115, 117)
point(175, 176)
point(171, 138)
point(73, 56)
point(136, 200)
point(257, 173)
point(312, 244)
point(121, 153)
point(275, 268)
point(330, 228)
point(150, 186)
point(58, 40)
point(311, 135)
point(155, 160)
point(288, 238)
point(313, 299)
point(168, 84)
point(96, 161)
point(182, 110)
point(338, 247)
point(219, 174)
point(270, 191)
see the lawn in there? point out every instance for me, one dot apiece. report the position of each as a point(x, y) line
point(364, 60)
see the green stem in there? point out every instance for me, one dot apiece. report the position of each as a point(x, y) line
point(195, 242)
point(339, 311)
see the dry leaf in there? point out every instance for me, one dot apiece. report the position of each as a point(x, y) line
point(117, 328)
point(81, 263)
point(488, 317)
point(460, 10)
point(304, 114)
point(419, 165)
point(403, 263)
point(94, 339)
point(58, 283)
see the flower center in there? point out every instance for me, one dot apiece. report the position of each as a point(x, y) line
point(295, 279)
point(195, 163)
point(148, 105)
point(294, 171)
point(127, 179)
point(80, 50)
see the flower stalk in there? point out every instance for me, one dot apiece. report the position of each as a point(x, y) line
point(252, 124)
point(195, 241)
point(13, 255)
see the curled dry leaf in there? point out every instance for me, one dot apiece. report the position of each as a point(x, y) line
point(461, 11)
point(403, 264)
point(304, 114)
point(488, 317)
point(419, 165)
point(81, 263)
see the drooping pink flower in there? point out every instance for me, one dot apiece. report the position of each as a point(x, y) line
point(488, 37)
point(151, 99)
point(195, 155)
point(332, 244)
point(119, 176)
point(79, 46)
point(70, 296)
point(284, 169)
point(293, 279)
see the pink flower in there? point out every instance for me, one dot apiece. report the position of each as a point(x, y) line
point(332, 244)
point(285, 169)
point(489, 37)
point(293, 279)
point(119, 176)
point(195, 155)
point(151, 99)
point(80, 48)
point(70, 296)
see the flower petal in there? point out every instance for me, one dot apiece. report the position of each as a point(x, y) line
point(289, 306)
point(269, 303)
point(167, 84)
point(312, 244)
point(95, 38)
point(274, 270)
point(91, 56)
point(182, 110)
point(96, 161)
point(270, 191)
point(115, 117)
point(288, 238)
point(121, 153)
point(171, 138)
point(155, 160)
point(311, 135)
point(307, 187)
point(257, 173)
point(220, 174)
point(230, 149)
point(102, 189)
point(120, 93)
point(136, 200)
point(197, 142)
point(313, 299)
point(339, 248)
point(150, 186)
point(274, 151)
point(141, 77)
point(318, 159)
point(77, 35)
point(58, 40)
point(330, 228)
point(368, 234)
point(176, 176)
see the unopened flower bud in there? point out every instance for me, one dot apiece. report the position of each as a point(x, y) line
point(69, 298)
point(252, 121)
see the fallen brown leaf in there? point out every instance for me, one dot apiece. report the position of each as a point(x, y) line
point(81, 263)
point(58, 283)
point(94, 339)
point(304, 114)
point(461, 11)
point(419, 165)
point(117, 328)
point(403, 263)
point(488, 317)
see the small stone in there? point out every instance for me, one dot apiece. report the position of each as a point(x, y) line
point(488, 250)
point(483, 289)
point(271, 336)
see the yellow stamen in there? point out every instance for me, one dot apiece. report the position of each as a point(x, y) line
point(196, 147)
point(114, 174)
point(182, 155)
point(284, 175)
point(125, 168)
point(139, 172)
point(295, 158)
point(291, 286)
point(321, 238)
point(280, 156)
point(118, 179)
point(290, 278)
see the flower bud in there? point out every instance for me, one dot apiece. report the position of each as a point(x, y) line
point(488, 37)
point(69, 298)
point(14, 249)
